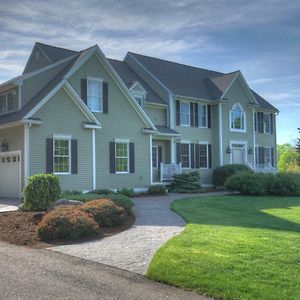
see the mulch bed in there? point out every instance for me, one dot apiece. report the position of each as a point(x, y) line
point(20, 228)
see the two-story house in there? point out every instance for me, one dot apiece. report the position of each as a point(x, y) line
point(103, 123)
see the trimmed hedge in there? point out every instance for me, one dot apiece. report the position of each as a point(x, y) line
point(186, 183)
point(67, 222)
point(159, 189)
point(105, 212)
point(281, 184)
point(220, 174)
point(102, 192)
point(41, 192)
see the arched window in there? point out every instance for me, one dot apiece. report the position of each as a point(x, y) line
point(237, 118)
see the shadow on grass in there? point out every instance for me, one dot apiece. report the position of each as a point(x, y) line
point(240, 211)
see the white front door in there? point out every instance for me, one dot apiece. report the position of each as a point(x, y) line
point(238, 154)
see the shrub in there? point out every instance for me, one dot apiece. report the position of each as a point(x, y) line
point(41, 192)
point(186, 183)
point(127, 192)
point(220, 174)
point(286, 184)
point(105, 212)
point(102, 192)
point(247, 183)
point(159, 189)
point(67, 192)
point(65, 222)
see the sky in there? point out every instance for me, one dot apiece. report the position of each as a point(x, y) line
point(260, 38)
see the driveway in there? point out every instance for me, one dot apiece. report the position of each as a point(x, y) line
point(133, 249)
point(41, 274)
point(9, 204)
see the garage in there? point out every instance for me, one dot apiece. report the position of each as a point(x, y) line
point(10, 175)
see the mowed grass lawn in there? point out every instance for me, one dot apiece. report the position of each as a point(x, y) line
point(234, 247)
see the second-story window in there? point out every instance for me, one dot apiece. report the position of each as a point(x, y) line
point(237, 118)
point(267, 123)
point(94, 95)
point(202, 115)
point(184, 114)
point(8, 102)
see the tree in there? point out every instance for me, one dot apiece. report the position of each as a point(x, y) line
point(297, 147)
point(287, 158)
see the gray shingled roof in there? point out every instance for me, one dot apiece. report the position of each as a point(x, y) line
point(189, 81)
point(166, 130)
point(128, 76)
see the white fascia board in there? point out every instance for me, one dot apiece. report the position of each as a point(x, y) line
point(140, 86)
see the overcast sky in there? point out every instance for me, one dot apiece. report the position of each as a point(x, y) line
point(260, 38)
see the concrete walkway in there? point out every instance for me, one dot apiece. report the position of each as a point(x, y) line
point(9, 204)
point(133, 249)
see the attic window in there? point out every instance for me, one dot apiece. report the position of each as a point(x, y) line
point(139, 97)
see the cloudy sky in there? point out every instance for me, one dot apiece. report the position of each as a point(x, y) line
point(261, 38)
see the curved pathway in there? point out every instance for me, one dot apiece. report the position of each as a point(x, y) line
point(133, 249)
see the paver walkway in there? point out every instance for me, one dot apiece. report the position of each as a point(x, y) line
point(133, 249)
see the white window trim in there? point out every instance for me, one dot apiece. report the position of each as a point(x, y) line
point(269, 115)
point(230, 120)
point(187, 143)
point(206, 109)
point(189, 113)
point(270, 154)
point(87, 89)
point(6, 102)
point(63, 137)
point(156, 149)
point(120, 141)
point(207, 156)
point(139, 94)
point(245, 143)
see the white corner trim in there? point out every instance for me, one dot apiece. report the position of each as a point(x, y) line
point(254, 155)
point(58, 136)
point(94, 157)
point(150, 159)
point(26, 153)
point(220, 134)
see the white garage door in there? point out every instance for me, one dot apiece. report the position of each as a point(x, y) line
point(10, 175)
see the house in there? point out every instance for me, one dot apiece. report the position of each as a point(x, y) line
point(104, 123)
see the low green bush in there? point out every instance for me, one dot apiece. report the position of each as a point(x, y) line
point(67, 222)
point(127, 192)
point(220, 174)
point(105, 212)
point(281, 184)
point(158, 189)
point(67, 192)
point(102, 192)
point(186, 183)
point(41, 192)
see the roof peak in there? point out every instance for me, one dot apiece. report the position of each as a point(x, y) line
point(61, 48)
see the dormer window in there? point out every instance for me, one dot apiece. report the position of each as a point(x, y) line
point(138, 93)
point(139, 98)
point(8, 102)
point(237, 118)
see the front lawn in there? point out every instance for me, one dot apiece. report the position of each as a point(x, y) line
point(234, 247)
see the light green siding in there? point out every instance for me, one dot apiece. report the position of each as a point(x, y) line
point(157, 115)
point(61, 116)
point(121, 122)
point(15, 139)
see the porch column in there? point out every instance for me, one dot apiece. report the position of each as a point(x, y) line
point(173, 153)
point(150, 160)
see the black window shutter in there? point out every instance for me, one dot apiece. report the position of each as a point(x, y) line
point(105, 98)
point(177, 112)
point(196, 115)
point(255, 121)
point(49, 155)
point(272, 157)
point(197, 155)
point(84, 90)
point(261, 153)
point(178, 152)
point(192, 114)
point(131, 158)
point(271, 122)
point(112, 159)
point(193, 156)
point(209, 156)
point(74, 157)
point(261, 122)
point(209, 116)
point(159, 149)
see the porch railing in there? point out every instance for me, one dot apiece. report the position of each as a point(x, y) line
point(262, 168)
point(168, 170)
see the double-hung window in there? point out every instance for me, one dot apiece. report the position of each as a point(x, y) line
point(185, 155)
point(154, 157)
point(202, 115)
point(237, 118)
point(94, 94)
point(267, 123)
point(8, 102)
point(184, 114)
point(61, 156)
point(267, 155)
point(122, 157)
point(203, 156)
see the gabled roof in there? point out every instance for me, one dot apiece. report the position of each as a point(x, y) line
point(129, 77)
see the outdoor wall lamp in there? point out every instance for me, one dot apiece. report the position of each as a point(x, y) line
point(4, 146)
point(228, 150)
point(250, 151)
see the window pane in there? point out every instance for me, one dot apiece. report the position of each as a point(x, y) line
point(154, 157)
point(94, 95)
point(202, 114)
point(267, 123)
point(184, 113)
point(61, 156)
point(237, 118)
point(185, 155)
point(203, 156)
point(10, 102)
point(2, 104)
point(122, 157)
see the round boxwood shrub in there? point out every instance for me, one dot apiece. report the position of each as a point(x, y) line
point(220, 174)
point(67, 222)
point(186, 183)
point(41, 192)
point(105, 212)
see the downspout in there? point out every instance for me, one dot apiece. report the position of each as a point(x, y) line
point(94, 157)
point(26, 153)
point(220, 134)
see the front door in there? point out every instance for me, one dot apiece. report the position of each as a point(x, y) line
point(238, 154)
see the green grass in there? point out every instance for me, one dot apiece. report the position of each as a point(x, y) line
point(234, 247)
